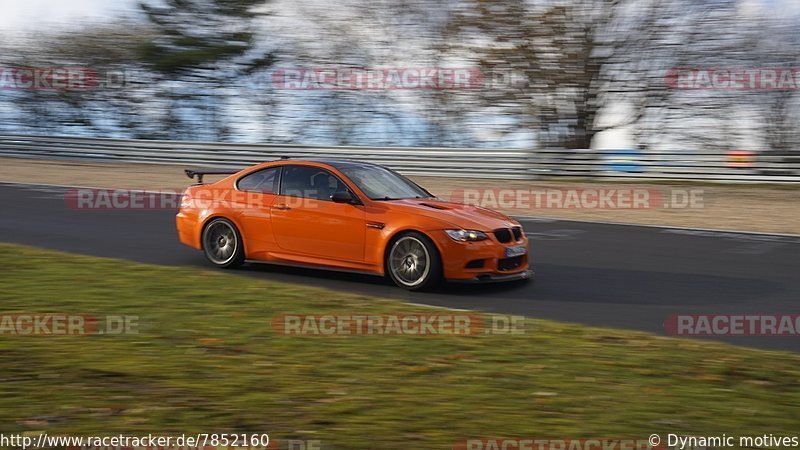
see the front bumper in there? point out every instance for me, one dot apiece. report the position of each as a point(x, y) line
point(482, 261)
point(489, 278)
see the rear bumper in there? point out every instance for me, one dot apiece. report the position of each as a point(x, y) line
point(187, 230)
point(495, 278)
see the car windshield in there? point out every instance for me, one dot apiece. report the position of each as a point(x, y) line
point(380, 183)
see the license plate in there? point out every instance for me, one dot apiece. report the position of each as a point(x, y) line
point(516, 250)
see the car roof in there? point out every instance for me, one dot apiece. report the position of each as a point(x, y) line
point(336, 163)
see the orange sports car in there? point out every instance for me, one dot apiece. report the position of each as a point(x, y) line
point(348, 215)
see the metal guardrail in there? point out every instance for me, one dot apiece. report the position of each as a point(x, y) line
point(510, 164)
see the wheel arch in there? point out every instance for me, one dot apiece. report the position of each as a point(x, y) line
point(204, 223)
point(397, 234)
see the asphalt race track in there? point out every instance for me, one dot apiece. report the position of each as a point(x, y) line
point(605, 275)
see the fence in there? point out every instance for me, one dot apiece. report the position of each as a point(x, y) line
point(520, 164)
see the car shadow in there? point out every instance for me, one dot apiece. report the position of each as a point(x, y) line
point(303, 274)
point(454, 288)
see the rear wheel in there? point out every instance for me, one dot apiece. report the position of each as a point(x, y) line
point(222, 244)
point(413, 262)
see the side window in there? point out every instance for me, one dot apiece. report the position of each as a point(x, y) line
point(310, 182)
point(264, 181)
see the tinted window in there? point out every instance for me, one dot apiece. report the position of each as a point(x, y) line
point(310, 182)
point(265, 181)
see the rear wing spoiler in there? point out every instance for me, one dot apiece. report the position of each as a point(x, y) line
point(200, 173)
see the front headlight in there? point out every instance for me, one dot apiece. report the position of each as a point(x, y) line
point(466, 235)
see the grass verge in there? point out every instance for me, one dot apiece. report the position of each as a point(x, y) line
point(206, 360)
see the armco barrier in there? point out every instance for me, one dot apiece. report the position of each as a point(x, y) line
point(511, 164)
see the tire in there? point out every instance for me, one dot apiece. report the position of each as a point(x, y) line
point(222, 244)
point(413, 262)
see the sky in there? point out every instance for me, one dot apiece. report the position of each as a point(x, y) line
point(30, 15)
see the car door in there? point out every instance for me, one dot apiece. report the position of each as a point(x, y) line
point(305, 221)
point(253, 198)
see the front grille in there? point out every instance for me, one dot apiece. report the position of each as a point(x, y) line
point(503, 235)
point(507, 264)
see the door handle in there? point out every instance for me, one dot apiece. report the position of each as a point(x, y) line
point(282, 207)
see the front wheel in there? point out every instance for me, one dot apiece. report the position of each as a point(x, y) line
point(413, 262)
point(222, 244)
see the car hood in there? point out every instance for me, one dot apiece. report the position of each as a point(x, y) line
point(458, 214)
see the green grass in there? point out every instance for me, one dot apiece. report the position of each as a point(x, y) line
point(206, 360)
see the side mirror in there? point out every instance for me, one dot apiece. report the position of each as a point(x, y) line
point(343, 197)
